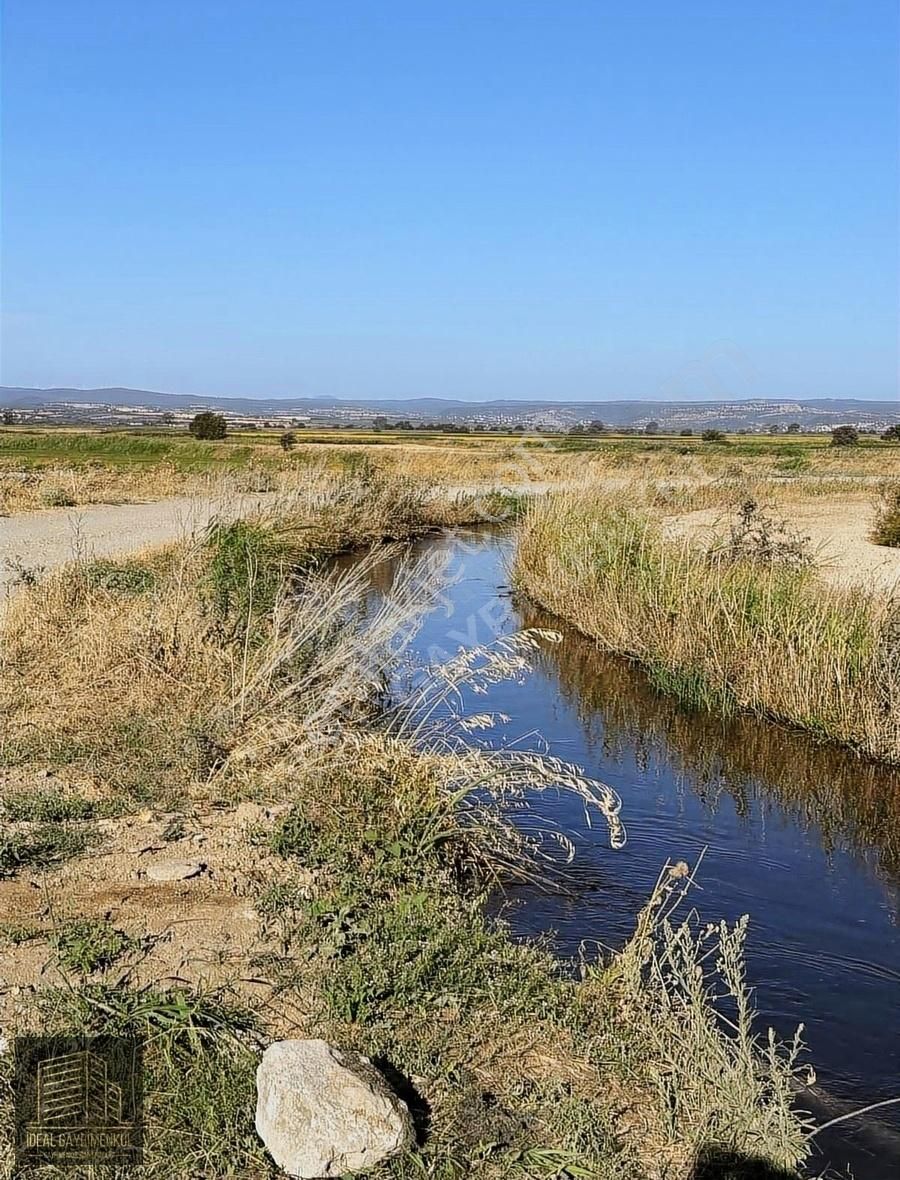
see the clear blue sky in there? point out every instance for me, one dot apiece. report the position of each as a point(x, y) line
point(452, 198)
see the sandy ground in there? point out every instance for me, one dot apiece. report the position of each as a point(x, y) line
point(838, 530)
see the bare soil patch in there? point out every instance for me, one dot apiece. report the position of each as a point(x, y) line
point(838, 531)
point(203, 931)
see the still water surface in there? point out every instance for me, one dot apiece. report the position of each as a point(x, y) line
point(804, 838)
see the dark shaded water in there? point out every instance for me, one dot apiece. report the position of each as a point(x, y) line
point(804, 838)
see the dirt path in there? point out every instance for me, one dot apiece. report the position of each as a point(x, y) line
point(38, 541)
point(838, 530)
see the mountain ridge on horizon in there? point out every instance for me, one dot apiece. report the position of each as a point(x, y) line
point(621, 411)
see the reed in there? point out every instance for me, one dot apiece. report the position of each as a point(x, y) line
point(719, 633)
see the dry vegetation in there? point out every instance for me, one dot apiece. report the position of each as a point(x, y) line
point(740, 626)
point(58, 468)
point(177, 686)
point(886, 530)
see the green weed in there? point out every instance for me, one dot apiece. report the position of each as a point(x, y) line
point(87, 945)
point(42, 847)
point(248, 565)
point(127, 577)
point(43, 806)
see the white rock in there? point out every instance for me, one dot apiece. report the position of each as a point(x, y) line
point(323, 1112)
point(174, 870)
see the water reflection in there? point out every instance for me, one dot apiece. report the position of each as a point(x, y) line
point(853, 805)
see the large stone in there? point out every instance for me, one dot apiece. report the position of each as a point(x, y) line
point(324, 1112)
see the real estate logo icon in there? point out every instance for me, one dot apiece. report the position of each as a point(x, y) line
point(78, 1101)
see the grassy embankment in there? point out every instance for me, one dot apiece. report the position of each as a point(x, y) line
point(232, 669)
point(720, 630)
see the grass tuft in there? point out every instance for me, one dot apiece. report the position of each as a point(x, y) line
point(41, 847)
point(87, 945)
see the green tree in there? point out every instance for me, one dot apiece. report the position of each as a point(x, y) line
point(596, 427)
point(793, 428)
point(208, 425)
point(892, 434)
point(9, 418)
point(844, 436)
point(652, 427)
point(713, 436)
point(288, 440)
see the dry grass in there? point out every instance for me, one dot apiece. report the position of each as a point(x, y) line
point(720, 634)
point(886, 530)
point(232, 666)
point(102, 662)
point(69, 467)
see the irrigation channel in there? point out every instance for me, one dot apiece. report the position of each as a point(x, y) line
point(803, 837)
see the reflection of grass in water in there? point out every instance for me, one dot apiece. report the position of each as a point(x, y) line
point(855, 804)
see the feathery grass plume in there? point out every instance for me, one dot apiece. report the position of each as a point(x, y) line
point(433, 717)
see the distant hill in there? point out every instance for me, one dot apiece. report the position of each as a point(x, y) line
point(756, 413)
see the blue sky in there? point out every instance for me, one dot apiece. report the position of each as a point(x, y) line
point(452, 198)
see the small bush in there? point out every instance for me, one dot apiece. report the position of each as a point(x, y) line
point(716, 436)
point(56, 497)
point(892, 434)
point(249, 562)
point(762, 539)
point(844, 436)
point(886, 530)
point(128, 577)
point(208, 426)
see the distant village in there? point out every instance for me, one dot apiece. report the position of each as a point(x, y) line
point(763, 417)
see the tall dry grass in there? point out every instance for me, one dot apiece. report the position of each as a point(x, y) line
point(719, 633)
point(126, 673)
